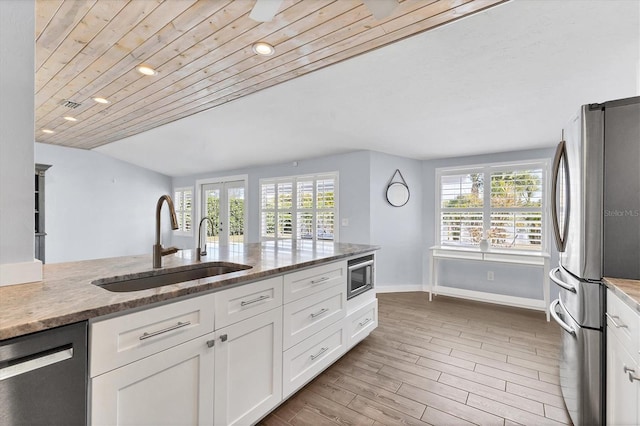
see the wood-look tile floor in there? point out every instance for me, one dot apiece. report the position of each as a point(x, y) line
point(446, 362)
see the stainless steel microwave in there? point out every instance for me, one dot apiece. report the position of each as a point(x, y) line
point(360, 276)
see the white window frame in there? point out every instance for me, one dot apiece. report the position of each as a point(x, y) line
point(180, 231)
point(294, 204)
point(487, 169)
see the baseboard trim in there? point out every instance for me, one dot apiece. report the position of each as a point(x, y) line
point(499, 299)
point(479, 296)
point(404, 288)
point(20, 273)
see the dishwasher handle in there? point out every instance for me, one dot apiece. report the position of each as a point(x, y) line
point(552, 310)
point(555, 279)
point(34, 362)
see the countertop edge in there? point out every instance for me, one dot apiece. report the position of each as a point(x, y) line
point(205, 285)
point(627, 290)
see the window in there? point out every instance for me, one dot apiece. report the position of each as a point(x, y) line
point(182, 201)
point(299, 207)
point(502, 202)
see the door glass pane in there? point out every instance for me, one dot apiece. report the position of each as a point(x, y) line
point(235, 200)
point(212, 198)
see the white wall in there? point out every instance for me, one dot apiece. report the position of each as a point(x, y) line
point(17, 47)
point(398, 230)
point(519, 281)
point(353, 169)
point(97, 206)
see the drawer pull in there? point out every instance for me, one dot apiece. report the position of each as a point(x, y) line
point(630, 371)
point(319, 280)
point(320, 352)
point(223, 338)
point(165, 330)
point(613, 319)
point(257, 299)
point(365, 322)
point(320, 312)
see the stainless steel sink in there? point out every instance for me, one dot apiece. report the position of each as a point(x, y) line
point(153, 279)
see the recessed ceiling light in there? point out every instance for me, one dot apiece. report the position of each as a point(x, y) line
point(47, 131)
point(101, 100)
point(263, 49)
point(146, 70)
point(69, 118)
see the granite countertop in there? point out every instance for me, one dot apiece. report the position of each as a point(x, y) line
point(66, 293)
point(627, 290)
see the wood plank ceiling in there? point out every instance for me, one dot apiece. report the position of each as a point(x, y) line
point(201, 51)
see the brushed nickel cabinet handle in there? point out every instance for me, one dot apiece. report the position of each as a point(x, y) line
point(257, 299)
point(320, 312)
point(165, 330)
point(320, 352)
point(365, 322)
point(613, 319)
point(319, 280)
point(630, 371)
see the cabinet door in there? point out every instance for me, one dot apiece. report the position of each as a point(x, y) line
point(248, 369)
point(623, 394)
point(172, 387)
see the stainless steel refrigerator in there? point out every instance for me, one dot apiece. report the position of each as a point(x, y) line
point(596, 217)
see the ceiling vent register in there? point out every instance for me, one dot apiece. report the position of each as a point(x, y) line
point(70, 104)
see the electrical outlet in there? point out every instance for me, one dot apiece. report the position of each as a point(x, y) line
point(345, 222)
point(490, 276)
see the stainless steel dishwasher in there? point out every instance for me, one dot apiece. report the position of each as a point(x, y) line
point(43, 377)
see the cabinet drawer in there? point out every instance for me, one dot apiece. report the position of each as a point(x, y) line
point(308, 315)
point(624, 322)
point(303, 283)
point(304, 361)
point(240, 303)
point(121, 340)
point(361, 322)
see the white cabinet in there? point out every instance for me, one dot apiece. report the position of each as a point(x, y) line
point(245, 301)
point(361, 322)
point(305, 317)
point(172, 387)
point(118, 341)
point(623, 363)
point(308, 358)
point(309, 281)
point(248, 378)
point(224, 358)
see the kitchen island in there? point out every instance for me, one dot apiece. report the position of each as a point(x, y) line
point(67, 295)
point(225, 349)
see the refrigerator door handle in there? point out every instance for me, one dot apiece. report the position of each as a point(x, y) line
point(558, 281)
point(554, 315)
point(559, 159)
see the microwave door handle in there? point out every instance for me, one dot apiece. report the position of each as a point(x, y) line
point(360, 265)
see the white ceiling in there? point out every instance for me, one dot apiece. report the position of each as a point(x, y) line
point(504, 79)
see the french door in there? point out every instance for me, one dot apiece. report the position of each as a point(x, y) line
point(224, 203)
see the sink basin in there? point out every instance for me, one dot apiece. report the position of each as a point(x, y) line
point(153, 279)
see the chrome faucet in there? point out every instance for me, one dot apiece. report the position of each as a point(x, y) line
point(158, 251)
point(199, 252)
